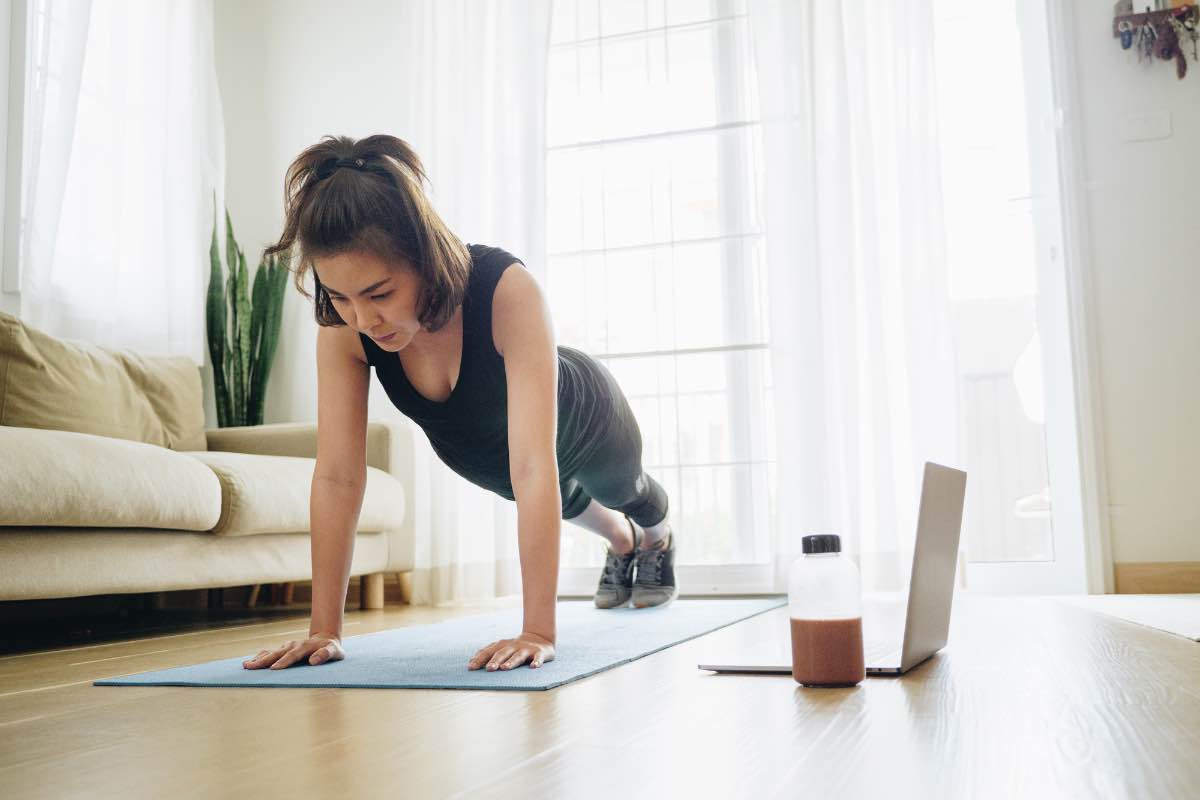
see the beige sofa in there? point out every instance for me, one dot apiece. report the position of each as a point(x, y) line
point(110, 484)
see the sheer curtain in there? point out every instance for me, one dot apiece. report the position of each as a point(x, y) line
point(861, 355)
point(125, 148)
point(473, 91)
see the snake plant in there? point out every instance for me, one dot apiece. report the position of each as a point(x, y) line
point(243, 328)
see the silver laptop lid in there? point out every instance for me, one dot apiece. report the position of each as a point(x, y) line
point(935, 557)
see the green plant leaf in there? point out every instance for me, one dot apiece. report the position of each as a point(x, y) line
point(215, 324)
point(243, 337)
point(258, 308)
point(274, 316)
point(235, 353)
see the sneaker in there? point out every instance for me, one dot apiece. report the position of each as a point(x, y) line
point(616, 582)
point(655, 583)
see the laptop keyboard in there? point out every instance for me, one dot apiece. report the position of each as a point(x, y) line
point(878, 650)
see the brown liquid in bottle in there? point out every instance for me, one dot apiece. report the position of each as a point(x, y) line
point(828, 652)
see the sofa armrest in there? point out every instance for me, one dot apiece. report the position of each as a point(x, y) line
point(278, 439)
point(389, 448)
point(389, 445)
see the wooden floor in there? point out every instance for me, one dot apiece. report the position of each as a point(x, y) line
point(1031, 699)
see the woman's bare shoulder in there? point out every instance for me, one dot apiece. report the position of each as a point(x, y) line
point(519, 308)
point(341, 340)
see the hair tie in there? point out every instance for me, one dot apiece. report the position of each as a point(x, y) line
point(331, 165)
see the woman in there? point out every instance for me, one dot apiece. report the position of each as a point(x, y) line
point(461, 340)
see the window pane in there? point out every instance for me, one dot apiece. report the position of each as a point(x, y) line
point(563, 84)
point(562, 23)
point(690, 98)
point(654, 191)
point(636, 188)
point(622, 16)
point(652, 82)
point(716, 291)
point(712, 406)
point(640, 301)
point(681, 12)
point(587, 19)
point(659, 298)
point(725, 511)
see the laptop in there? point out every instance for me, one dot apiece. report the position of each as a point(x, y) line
point(931, 589)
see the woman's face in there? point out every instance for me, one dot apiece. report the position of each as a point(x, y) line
point(373, 296)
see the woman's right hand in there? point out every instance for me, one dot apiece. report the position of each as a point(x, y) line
point(317, 649)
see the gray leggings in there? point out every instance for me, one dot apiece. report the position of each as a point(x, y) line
point(614, 477)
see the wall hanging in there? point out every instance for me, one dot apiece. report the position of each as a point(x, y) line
point(1169, 31)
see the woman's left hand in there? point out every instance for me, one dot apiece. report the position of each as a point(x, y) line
point(509, 653)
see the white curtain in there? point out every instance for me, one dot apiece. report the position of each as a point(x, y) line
point(473, 90)
point(861, 355)
point(124, 150)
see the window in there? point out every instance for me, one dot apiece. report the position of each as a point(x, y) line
point(656, 263)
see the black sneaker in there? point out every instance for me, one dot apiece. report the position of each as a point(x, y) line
point(655, 582)
point(616, 582)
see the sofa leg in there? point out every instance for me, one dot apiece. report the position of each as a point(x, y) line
point(370, 589)
point(216, 599)
point(406, 586)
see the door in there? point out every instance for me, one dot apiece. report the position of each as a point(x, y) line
point(1023, 528)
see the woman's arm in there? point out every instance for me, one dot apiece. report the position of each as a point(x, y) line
point(338, 483)
point(524, 336)
point(340, 474)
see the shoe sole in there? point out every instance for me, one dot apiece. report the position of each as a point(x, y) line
point(667, 602)
point(628, 599)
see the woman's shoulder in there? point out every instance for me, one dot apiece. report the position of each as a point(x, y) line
point(488, 258)
point(344, 341)
point(488, 264)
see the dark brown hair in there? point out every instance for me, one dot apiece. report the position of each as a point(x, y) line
point(345, 196)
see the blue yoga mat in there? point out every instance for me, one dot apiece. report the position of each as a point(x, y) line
point(435, 656)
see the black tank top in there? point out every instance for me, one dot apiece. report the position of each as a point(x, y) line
point(469, 431)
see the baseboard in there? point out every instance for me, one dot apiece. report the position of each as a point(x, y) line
point(1171, 577)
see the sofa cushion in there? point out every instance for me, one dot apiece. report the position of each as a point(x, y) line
point(270, 494)
point(63, 478)
point(62, 385)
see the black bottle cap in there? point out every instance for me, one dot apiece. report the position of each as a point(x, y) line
point(821, 543)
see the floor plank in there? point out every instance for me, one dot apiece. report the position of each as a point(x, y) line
point(1032, 697)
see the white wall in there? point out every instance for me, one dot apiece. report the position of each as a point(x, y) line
point(1143, 202)
point(291, 71)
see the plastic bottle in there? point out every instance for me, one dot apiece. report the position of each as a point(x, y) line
point(825, 606)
